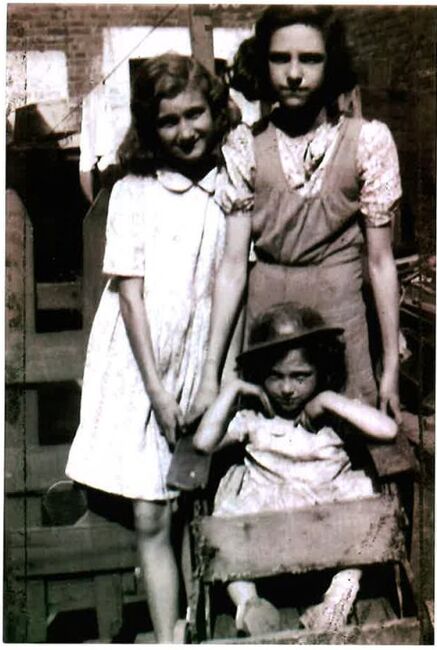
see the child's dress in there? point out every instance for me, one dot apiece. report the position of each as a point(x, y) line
point(171, 232)
point(286, 467)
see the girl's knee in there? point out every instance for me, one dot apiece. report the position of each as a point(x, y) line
point(152, 518)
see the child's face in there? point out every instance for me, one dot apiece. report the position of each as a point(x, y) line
point(297, 57)
point(185, 126)
point(291, 383)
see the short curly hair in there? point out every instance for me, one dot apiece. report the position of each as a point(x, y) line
point(166, 76)
point(250, 72)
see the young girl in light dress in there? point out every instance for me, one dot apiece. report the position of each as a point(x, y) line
point(164, 241)
point(294, 455)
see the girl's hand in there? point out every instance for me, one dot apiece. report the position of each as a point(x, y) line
point(252, 390)
point(316, 406)
point(205, 396)
point(389, 395)
point(168, 415)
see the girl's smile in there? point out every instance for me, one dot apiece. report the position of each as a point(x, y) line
point(185, 127)
point(291, 383)
point(297, 58)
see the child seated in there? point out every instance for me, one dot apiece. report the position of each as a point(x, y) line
point(294, 367)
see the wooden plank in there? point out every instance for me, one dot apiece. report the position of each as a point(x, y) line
point(58, 295)
point(331, 535)
point(33, 510)
point(14, 416)
point(373, 610)
point(94, 227)
point(398, 632)
point(31, 414)
point(202, 47)
point(19, 285)
point(394, 457)
point(109, 605)
point(429, 605)
point(78, 592)
point(44, 466)
point(65, 595)
point(36, 611)
point(14, 594)
point(73, 549)
point(55, 356)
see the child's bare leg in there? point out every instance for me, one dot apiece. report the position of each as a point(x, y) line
point(159, 570)
point(241, 591)
point(254, 615)
point(332, 613)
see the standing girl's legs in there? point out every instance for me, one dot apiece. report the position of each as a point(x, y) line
point(160, 574)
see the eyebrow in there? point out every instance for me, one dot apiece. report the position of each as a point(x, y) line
point(296, 371)
point(319, 52)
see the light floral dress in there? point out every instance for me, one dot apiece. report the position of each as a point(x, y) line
point(286, 467)
point(304, 160)
point(170, 232)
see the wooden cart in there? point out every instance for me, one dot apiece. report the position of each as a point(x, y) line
point(371, 533)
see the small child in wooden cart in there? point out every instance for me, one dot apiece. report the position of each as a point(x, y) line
point(294, 456)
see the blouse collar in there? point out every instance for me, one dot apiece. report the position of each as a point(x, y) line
point(177, 182)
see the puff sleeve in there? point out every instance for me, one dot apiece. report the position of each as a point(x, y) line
point(239, 427)
point(124, 251)
point(235, 181)
point(378, 167)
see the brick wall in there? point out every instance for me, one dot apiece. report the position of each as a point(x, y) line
point(395, 56)
point(395, 59)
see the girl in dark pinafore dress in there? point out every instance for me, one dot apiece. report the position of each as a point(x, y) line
point(312, 188)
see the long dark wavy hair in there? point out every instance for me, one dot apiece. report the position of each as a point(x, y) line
point(250, 72)
point(166, 76)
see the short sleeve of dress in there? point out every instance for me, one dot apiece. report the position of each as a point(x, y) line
point(124, 251)
point(235, 181)
point(378, 166)
point(239, 427)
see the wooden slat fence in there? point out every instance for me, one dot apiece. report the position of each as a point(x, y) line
point(51, 568)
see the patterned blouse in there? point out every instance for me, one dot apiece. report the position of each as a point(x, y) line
point(304, 159)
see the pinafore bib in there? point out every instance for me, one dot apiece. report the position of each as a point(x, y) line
point(309, 249)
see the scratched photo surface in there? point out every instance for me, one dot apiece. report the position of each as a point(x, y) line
point(92, 554)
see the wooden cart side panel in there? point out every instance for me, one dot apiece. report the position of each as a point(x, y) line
point(336, 534)
point(394, 457)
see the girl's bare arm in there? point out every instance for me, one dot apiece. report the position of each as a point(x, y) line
point(383, 277)
point(211, 433)
point(370, 421)
point(134, 315)
point(228, 291)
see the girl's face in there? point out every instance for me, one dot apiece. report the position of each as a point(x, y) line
point(185, 127)
point(297, 57)
point(291, 383)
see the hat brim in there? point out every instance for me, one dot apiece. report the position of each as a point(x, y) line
point(254, 350)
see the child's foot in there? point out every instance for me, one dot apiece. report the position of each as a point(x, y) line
point(257, 616)
point(332, 613)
